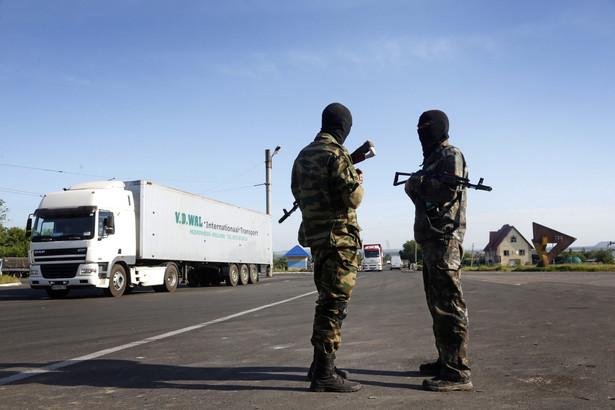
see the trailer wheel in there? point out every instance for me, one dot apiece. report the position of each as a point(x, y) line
point(57, 294)
point(244, 274)
point(117, 282)
point(171, 278)
point(253, 274)
point(232, 275)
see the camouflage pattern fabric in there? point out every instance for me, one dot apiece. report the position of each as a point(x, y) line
point(442, 282)
point(440, 207)
point(439, 228)
point(326, 185)
point(335, 273)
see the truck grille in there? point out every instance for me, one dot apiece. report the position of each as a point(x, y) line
point(58, 255)
point(62, 270)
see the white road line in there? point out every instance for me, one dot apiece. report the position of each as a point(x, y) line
point(59, 365)
point(491, 281)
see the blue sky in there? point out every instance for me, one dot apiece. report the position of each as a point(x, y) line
point(190, 94)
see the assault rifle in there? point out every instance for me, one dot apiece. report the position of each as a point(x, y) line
point(362, 153)
point(447, 178)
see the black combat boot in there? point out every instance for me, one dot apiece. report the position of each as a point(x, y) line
point(430, 369)
point(440, 383)
point(342, 373)
point(325, 379)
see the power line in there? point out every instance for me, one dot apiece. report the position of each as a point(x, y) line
point(213, 189)
point(207, 191)
point(17, 191)
point(52, 170)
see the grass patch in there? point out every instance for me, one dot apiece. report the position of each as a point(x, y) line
point(4, 279)
point(581, 267)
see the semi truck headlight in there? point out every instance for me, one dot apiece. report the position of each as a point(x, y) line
point(35, 272)
point(87, 271)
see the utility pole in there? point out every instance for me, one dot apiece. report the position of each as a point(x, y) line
point(268, 179)
point(268, 157)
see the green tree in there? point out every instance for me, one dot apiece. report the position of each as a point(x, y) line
point(280, 263)
point(13, 242)
point(604, 256)
point(3, 211)
point(408, 251)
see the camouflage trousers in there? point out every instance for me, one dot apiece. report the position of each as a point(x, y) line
point(335, 273)
point(442, 282)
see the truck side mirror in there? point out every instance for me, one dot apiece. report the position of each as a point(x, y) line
point(29, 228)
point(109, 225)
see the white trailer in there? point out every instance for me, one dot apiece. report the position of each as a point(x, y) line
point(117, 235)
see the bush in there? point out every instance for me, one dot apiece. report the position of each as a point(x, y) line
point(577, 267)
point(4, 279)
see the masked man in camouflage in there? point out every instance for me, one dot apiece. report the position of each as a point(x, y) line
point(439, 227)
point(326, 186)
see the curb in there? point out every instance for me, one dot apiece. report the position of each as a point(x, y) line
point(10, 284)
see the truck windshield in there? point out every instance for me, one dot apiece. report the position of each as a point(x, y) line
point(372, 254)
point(64, 225)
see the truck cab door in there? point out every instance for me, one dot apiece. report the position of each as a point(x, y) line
point(110, 244)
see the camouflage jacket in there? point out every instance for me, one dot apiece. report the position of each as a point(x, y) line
point(326, 185)
point(440, 207)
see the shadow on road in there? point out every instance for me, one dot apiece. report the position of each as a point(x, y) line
point(128, 374)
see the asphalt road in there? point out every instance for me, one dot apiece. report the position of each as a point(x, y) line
point(537, 341)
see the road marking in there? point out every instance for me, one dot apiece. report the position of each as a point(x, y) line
point(491, 281)
point(95, 355)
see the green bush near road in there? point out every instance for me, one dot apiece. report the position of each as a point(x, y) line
point(4, 279)
point(553, 268)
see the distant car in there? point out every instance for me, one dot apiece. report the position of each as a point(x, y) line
point(395, 262)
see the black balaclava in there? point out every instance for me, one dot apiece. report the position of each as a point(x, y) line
point(336, 121)
point(432, 135)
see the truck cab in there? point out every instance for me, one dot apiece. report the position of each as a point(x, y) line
point(78, 235)
point(373, 259)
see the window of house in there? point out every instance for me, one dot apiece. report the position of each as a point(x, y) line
point(506, 253)
point(513, 239)
point(522, 252)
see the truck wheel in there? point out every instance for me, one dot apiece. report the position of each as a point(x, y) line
point(117, 282)
point(232, 275)
point(57, 294)
point(171, 278)
point(253, 274)
point(244, 274)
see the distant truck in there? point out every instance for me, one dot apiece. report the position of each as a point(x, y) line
point(395, 262)
point(14, 266)
point(117, 235)
point(373, 259)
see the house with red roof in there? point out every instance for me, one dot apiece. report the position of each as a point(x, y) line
point(507, 247)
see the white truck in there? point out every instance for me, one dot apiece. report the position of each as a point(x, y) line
point(117, 235)
point(373, 259)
